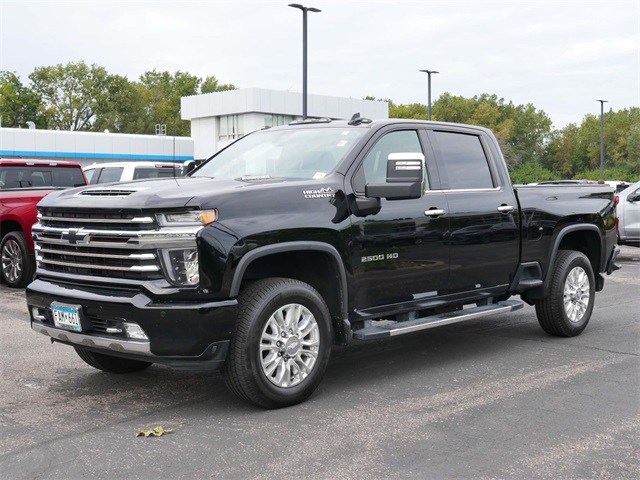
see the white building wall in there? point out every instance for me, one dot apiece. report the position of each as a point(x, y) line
point(92, 147)
point(205, 137)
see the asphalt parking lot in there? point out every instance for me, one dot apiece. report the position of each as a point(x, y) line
point(492, 398)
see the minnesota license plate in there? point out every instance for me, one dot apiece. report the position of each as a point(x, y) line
point(66, 316)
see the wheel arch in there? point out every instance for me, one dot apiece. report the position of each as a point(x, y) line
point(8, 226)
point(308, 261)
point(585, 238)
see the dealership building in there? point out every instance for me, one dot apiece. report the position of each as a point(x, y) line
point(217, 119)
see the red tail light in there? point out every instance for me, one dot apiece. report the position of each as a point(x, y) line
point(617, 200)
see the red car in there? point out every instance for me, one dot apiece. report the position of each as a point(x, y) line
point(23, 183)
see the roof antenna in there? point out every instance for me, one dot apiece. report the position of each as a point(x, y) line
point(356, 119)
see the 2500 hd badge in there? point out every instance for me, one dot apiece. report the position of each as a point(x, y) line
point(376, 258)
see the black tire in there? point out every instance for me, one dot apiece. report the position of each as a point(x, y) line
point(109, 363)
point(253, 348)
point(16, 266)
point(565, 312)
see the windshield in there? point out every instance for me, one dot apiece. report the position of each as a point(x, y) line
point(303, 153)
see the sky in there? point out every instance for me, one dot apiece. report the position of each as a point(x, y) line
point(561, 56)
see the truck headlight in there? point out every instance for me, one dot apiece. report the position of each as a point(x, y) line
point(193, 217)
point(181, 266)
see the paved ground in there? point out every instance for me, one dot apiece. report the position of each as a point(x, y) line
point(493, 398)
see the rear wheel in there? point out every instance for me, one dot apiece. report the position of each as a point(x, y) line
point(17, 265)
point(109, 363)
point(567, 308)
point(281, 344)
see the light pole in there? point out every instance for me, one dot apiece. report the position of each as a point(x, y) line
point(602, 102)
point(304, 52)
point(429, 72)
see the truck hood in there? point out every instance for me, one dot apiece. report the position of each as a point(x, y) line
point(180, 192)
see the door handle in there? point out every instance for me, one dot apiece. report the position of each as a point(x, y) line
point(434, 212)
point(506, 208)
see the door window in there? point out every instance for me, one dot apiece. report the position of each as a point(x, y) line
point(464, 161)
point(374, 165)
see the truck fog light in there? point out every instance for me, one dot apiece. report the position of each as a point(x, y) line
point(133, 330)
point(38, 314)
point(182, 266)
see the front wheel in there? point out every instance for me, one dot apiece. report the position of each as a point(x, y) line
point(109, 363)
point(281, 343)
point(567, 308)
point(17, 265)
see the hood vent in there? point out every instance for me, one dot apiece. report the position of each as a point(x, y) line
point(107, 192)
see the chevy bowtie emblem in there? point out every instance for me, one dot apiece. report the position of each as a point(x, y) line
point(75, 237)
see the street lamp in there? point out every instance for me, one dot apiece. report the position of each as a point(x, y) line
point(304, 52)
point(429, 72)
point(602, 102)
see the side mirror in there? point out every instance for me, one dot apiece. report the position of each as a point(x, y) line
point(405, 176)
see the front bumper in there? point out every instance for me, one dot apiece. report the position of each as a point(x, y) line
point(180, 333)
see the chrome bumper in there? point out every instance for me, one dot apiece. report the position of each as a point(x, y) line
point(136, 347)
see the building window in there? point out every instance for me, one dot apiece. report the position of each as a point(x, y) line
point(271, 120)
point(231, 127)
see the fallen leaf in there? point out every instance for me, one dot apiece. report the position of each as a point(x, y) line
point(156, 432)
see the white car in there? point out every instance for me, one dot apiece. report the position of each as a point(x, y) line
point(629, 215)
point(126, 171)
point(617, 185)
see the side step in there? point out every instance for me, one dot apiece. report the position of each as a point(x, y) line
point(399, 328)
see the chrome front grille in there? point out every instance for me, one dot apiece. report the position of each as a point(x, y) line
point(120, 221)
point(108, 245)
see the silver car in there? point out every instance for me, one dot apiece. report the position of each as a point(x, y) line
point(629, 215)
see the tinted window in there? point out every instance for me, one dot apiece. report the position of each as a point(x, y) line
point(34, 176)
point(152, 172)
point(463, 160)
point(374, 166)
point(91, 174)
point(110, 174)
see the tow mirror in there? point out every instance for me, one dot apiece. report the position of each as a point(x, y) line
point(405, 177)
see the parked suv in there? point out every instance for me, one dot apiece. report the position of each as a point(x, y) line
point(629, 215)
point(126, 171)
point(23, 183)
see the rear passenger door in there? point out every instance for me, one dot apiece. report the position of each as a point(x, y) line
point(484, 227)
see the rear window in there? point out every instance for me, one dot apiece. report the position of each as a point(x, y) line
point(154, 172)
point(36, 176)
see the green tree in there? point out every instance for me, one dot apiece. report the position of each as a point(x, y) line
point(18, 104)
point(124, 109)
point(162, 92)
point(72, 94)
point(449, 108)
point(531, 172)
point(211, 84)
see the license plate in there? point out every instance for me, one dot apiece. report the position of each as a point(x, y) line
point(66, 316)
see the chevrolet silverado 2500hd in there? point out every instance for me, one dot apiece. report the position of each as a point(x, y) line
point(296, 238)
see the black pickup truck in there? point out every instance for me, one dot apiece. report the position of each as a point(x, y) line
point(297, 238)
